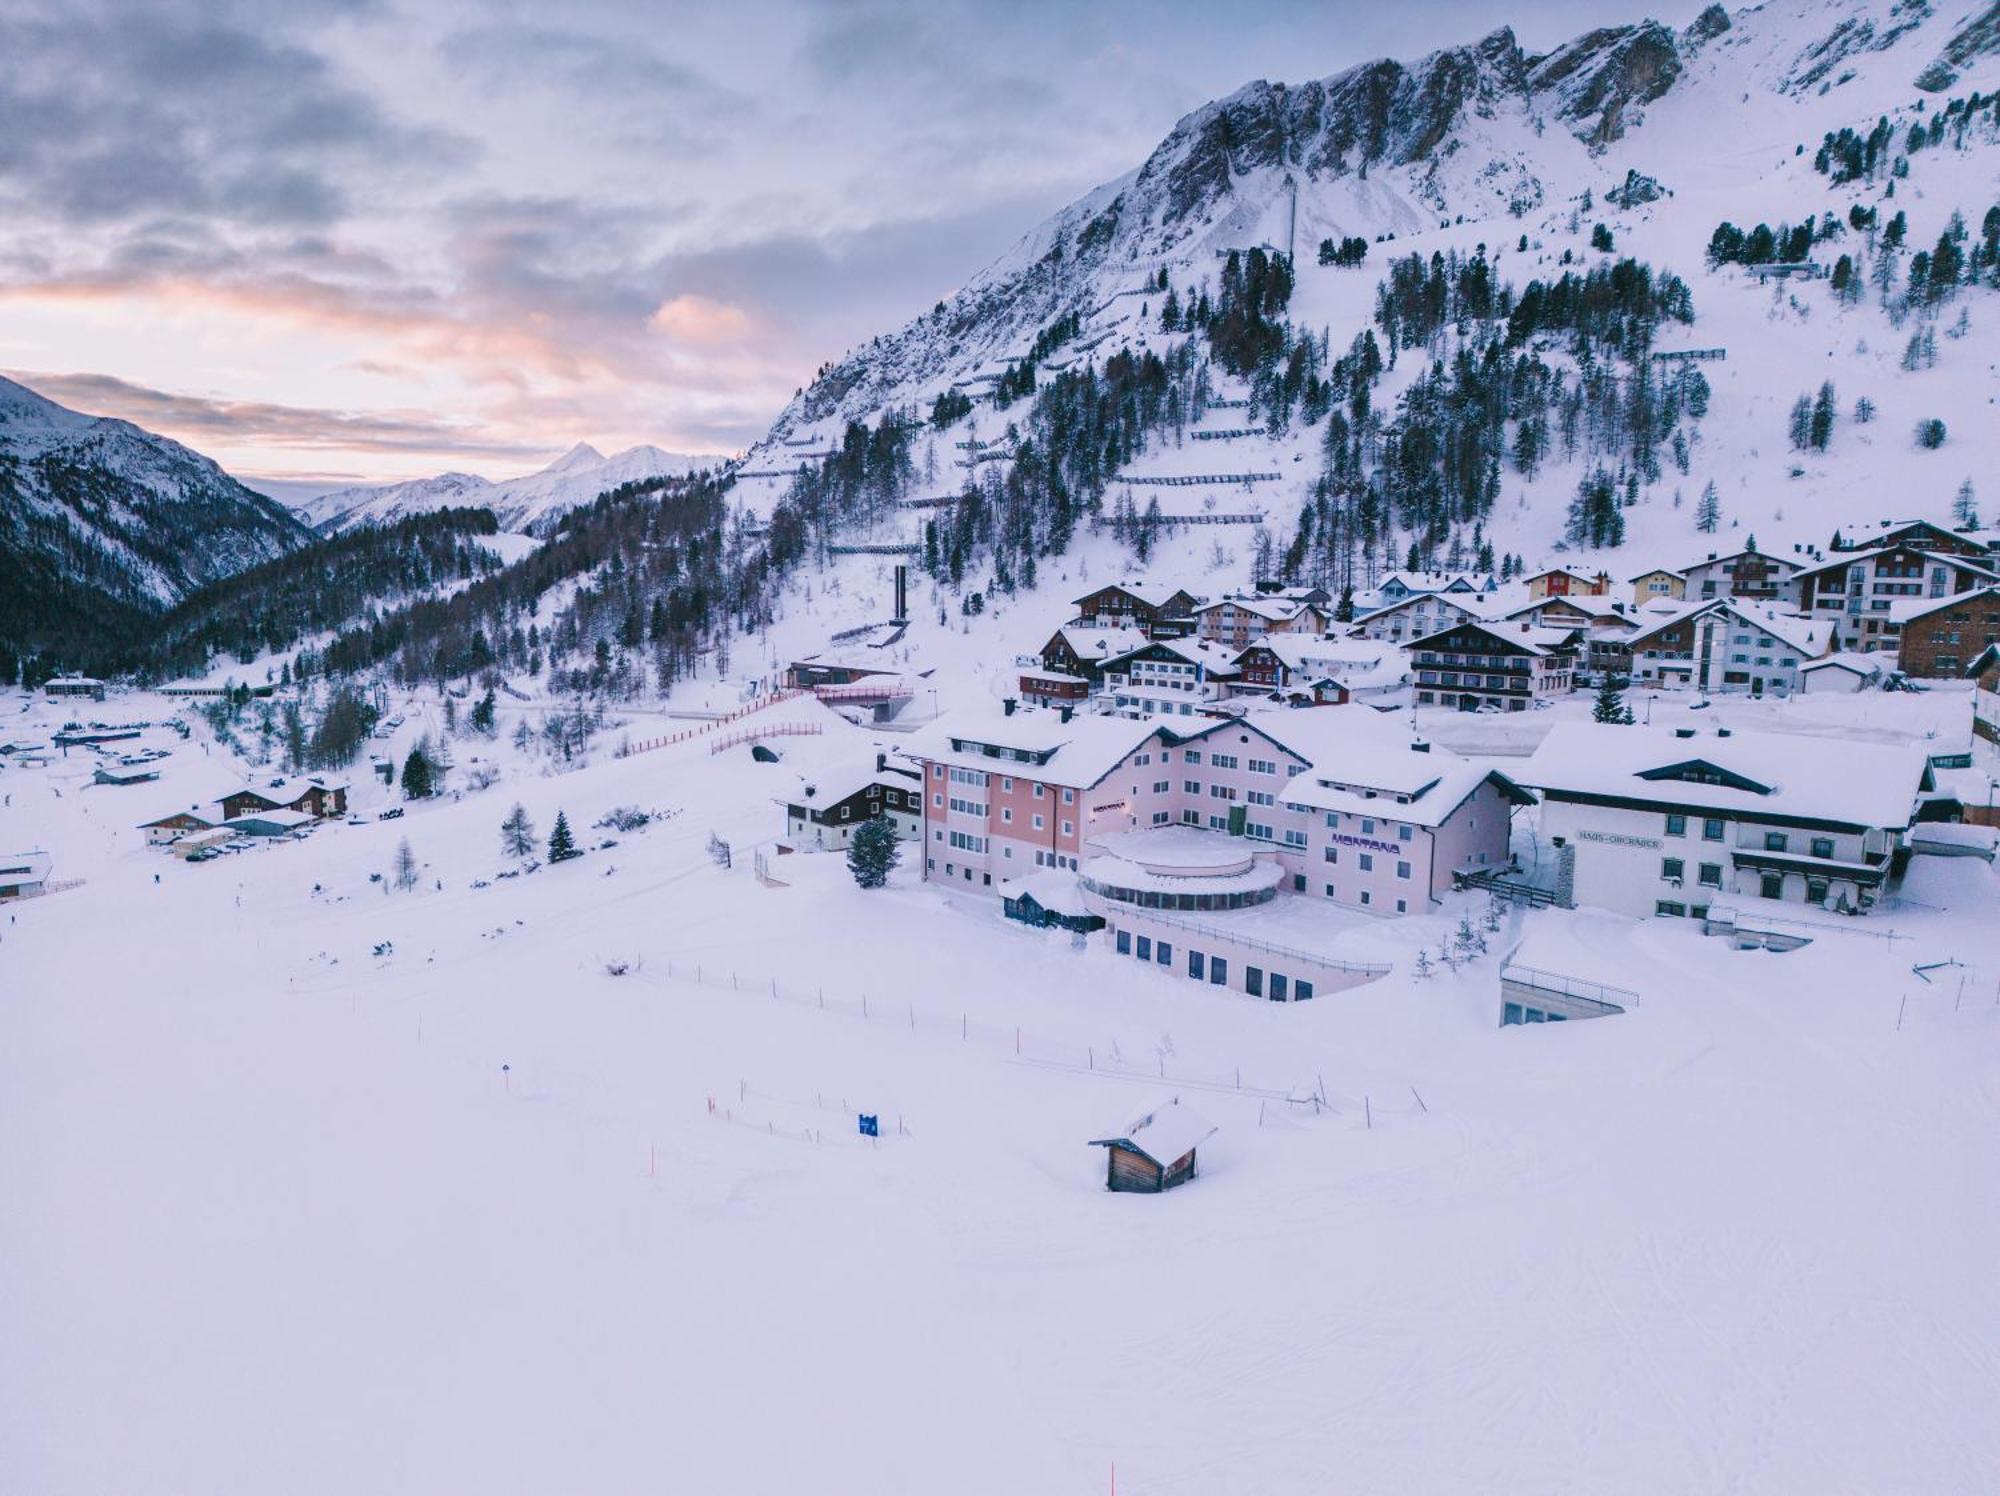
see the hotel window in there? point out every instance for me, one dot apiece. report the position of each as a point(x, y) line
point(1333, 854)
point(1711, 875)
point(1668, 906)
point(1711, 829)
point(1672, 867)
point(1218, 971)
point(1404, 833)
point(1822, 846)
point(1774, 841)
point(1367, 862)
point(1402, 870)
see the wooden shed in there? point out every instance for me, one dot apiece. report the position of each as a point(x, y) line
point(1156, 1152)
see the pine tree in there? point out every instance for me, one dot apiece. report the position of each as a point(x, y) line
point(1708, 513)
point(562, 846)
point(1965, 507)
point(1801, 423)
point(417, 780)
point(406, 865)
point(874, 852)
point(482, 714)
point(1823, 418)
point(1610, 706)
point(517, 833)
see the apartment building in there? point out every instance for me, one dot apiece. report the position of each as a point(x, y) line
point(1859, 591)
point(1669, 822)
point(1502, 667)
point(1728, 646)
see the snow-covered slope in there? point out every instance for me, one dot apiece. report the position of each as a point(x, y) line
point(100, 504)
point(529, 504)
point(1488, 146)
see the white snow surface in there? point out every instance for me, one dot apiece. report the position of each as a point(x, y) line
point(278, 1219)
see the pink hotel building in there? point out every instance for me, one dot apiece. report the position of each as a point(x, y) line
point(1345, 803)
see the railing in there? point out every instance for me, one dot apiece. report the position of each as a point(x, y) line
point(760, 704)
point(1575, 987)
point(861, 691)
point(755, 734)
point(1191, 480)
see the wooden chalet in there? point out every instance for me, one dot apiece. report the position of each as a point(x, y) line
point(1079, 650)
point(1157, 1152)
point(1919, 534)
point(1162, 612)
point(1474, 665)
point(826, 811)
point(320, 801)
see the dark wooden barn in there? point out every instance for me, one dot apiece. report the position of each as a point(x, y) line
point(1157, 1152)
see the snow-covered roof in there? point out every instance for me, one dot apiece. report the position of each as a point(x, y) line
point(1907, 608)
point(1841, 560)
point(290, 820)
point(1529, 638)
point(1720, 558)
point(1277, 609)
point(1829, 779)
point(1102, 644)
point(1864, 665)
point(1216, 659)
point(1345, 788)
point(1078, 753)
point(1167, 1134)
point(1152, 594)
point(1350, 661)
point(1807, 635)
point(1053, 888)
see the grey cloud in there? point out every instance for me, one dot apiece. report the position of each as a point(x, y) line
point(196, 418)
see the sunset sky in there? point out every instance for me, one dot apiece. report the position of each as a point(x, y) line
point(355, 240)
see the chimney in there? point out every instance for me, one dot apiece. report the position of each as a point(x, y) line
point(1067, 712)
point(1008, 704)
point(1683, 732)
point(881, 763)
point(1420, 746)
point(1722, 732)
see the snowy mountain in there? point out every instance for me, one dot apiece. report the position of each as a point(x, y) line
point(98, 514)
point(528, 504)
point(1493, 151)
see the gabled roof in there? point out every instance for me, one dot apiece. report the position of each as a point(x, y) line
point(1718, 558)
point(1840, 560)
point(1216, 659)
point(1167, 1134)
point(1152, 594)
point(1078, 753)
point(1806, 635)
point(1527, 638)
point(1907, 609)
point(1276, 608)
point(1834, 780)
point(1865, 665)
point(1100, 644)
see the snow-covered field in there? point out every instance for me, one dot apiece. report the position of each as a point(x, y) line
point(283, 1214)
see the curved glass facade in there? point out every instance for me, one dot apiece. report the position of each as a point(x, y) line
point(1153, 898)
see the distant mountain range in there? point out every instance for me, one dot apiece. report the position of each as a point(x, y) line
point(529, 505)
point(102, 523)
